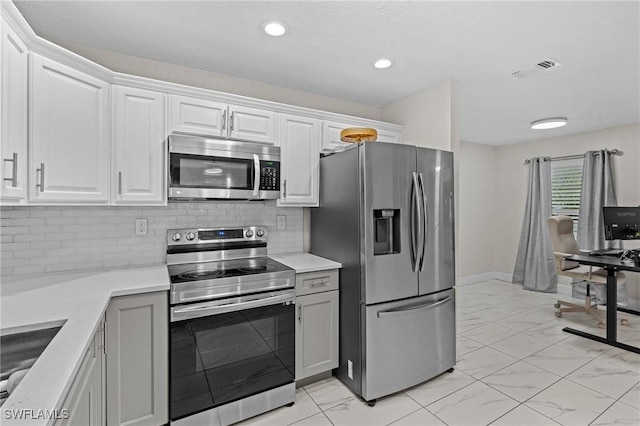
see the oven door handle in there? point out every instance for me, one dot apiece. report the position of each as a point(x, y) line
point(256, 175)
point(180, 313)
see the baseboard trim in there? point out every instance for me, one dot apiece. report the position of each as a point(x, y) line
point(563, 289)
point(487, 276)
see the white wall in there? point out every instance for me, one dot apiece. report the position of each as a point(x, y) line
point(477, 209)
point(223, 83)
point(509, 193)
point(429, 116)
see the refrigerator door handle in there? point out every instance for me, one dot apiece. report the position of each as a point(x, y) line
point(414, 309)
point(416, 215)
point(424, 220)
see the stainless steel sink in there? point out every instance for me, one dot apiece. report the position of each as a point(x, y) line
point(20, 350)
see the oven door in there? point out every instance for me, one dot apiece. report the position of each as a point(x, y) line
point(229, 349)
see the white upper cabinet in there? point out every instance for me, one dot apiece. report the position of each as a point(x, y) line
point(220, 120)
point(68, 135)
point(138, 147)
point(331, 135)
point(252, 124)
point(198, 116)
point(299, 161)
point(13, 106)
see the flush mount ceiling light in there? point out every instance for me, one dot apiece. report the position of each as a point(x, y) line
point(549, 123)
point(383, 63)
point(274, 28)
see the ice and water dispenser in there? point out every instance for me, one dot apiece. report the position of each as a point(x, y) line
point(387, 231)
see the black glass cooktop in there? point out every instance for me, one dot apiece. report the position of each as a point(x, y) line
point(223, 269)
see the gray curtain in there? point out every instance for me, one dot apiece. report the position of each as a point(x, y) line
point(597, 192)
point(535, 265)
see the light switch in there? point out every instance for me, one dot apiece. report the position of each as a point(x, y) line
point(281, 222)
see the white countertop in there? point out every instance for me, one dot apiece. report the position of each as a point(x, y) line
point(305, 262)
point(76, 300)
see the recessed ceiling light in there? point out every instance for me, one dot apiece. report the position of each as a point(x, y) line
point(382, 63)
point(549, 123)
point(274, 28)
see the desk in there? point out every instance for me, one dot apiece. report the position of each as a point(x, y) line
point(612, 265)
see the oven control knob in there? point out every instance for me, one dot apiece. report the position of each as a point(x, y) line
point(249, 233)
point(191, 236)
point(177, 236)
point(260, 232)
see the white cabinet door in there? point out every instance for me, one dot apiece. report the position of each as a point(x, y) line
point(299, 160)
point(197, 116)
point(316, 333)
point(84, 405)
point(138, 148)
point(331, 135)
point(13, 126)
point(69, 135)
point(138, 360)
point(251, 124)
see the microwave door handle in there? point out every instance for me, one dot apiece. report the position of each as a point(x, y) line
point(256, 176)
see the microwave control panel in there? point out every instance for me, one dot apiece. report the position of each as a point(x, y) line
point(269, 175)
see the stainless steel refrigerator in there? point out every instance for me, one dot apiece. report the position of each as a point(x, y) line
point(387, 214)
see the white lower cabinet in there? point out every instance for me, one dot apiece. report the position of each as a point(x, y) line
point(84, 405)
point(316, 323)
point(138, 147)
point(137, 360)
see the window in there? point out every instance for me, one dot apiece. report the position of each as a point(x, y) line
point(566, 181)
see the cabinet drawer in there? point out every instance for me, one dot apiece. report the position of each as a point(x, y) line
point(316, 282)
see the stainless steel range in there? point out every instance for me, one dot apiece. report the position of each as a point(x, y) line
point(232, 313)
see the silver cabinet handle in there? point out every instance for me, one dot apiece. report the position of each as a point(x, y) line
point(300, 314)
point(224, 119)
point(119, 183)
point(41, 171)
point(14, 172)
point(413, 309)
point(103, 343)
point(284, 185)
point(231, 121)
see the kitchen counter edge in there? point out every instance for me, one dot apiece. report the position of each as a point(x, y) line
point(305, 262)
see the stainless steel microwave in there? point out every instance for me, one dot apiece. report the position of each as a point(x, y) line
point(203, 168)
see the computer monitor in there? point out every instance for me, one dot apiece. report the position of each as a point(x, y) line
point(621, 223)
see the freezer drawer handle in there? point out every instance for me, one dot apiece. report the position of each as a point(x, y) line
point(414, 309)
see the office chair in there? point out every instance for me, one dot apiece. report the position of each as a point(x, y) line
point(564, 245)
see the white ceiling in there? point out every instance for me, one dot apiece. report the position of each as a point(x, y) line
point(332, 44)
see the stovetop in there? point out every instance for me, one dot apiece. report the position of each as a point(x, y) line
point(190, 272)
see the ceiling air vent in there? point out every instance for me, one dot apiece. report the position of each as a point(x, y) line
point(544, 65)
point(548, 64)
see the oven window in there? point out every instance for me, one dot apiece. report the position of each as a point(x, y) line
point(196, 171)
point(222, 358)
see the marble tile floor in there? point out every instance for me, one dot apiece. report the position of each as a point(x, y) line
point(516, 367)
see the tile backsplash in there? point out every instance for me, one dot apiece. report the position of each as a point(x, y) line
point(54, 239)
